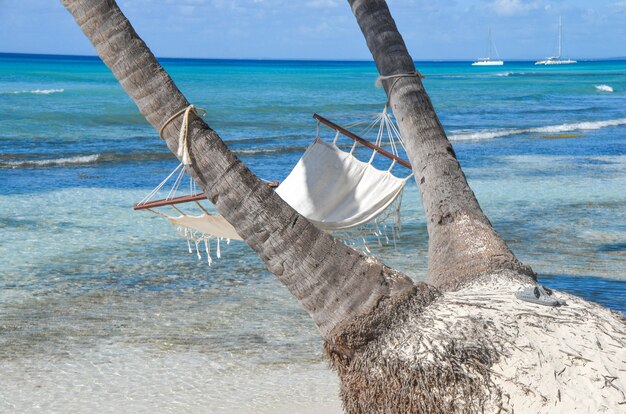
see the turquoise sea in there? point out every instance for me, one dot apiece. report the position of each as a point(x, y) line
point(102, 309)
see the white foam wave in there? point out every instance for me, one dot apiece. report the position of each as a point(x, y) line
point(268, 150)
point(83, 159)
point(551, 129)
point(604, 88)
point(40, 91)
point(257, 151)
point(482, 75)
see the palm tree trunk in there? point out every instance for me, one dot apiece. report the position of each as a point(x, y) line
point(334, 283)
point(462, 242)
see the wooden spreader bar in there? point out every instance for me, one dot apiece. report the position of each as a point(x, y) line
point(181, 199)
point(362, 141)
point(170, 201)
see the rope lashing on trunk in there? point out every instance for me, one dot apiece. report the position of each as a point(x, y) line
point(396, 78)
point(183, 140)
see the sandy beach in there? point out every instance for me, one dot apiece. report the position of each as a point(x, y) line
point(117, 378)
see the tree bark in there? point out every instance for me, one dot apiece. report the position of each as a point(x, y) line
point(462, 242)
point(333, 282)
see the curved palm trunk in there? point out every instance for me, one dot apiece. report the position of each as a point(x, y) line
point(462, 243)
point(333, 282)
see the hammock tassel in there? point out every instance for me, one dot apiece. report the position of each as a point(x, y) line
point(208, 252)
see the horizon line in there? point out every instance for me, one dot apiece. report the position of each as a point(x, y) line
point(269, 59)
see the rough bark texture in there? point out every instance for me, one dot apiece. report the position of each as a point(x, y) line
point(462, 243)
point(333, 282)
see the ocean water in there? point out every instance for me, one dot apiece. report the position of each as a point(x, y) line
point(103, 308)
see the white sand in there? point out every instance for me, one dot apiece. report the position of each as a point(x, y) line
point(117, 378)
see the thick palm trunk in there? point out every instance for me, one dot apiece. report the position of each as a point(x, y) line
point(333, 282)
point(462, 243)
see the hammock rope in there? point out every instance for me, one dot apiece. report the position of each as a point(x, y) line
point(154, 192)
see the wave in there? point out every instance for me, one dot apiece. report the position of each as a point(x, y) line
point(268, 139)
point(86, 160)
point(83, 159)
point(268, 150)
point(604, 88)
point(37, 91)
point(498, 133)
point(521, 73)
point(504, 74)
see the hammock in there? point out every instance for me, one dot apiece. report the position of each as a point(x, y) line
point(330, 187)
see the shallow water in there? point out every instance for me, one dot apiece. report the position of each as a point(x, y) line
point(102, 308)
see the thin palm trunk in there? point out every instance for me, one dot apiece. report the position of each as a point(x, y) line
point(333, 282)
point(462, 242)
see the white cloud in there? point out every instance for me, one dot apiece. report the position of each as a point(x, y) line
point(513, 7)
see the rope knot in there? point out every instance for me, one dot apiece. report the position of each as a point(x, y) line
point(396, 78)
point(381, 78)
point(183, 136)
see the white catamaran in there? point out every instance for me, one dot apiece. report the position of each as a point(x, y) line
point(556, 60)
point(487, 61)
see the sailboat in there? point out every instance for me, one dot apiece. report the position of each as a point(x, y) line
point(487, 61)
point(556, 60)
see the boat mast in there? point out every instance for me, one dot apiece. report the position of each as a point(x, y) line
point(560, 30)
point(493, 44)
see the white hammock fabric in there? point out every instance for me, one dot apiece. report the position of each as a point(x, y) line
point(336, 191)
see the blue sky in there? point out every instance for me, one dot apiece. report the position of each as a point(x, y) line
point(326, 29)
